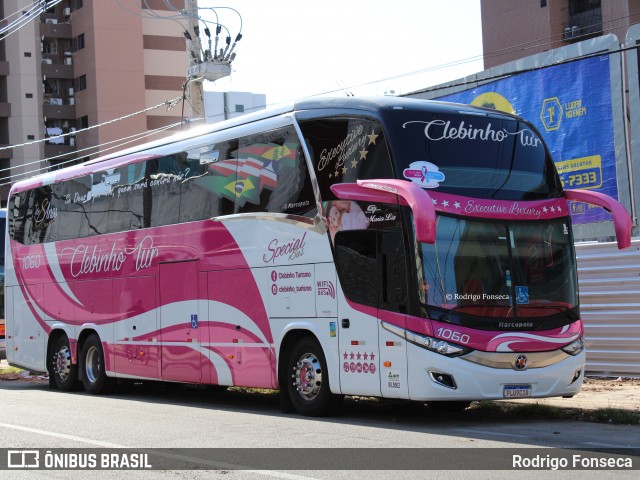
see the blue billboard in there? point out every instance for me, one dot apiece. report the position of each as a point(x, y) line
point(570, 104)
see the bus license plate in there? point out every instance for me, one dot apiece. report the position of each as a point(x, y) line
point(517, 391)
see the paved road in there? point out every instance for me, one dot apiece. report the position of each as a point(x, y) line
point(172, 417)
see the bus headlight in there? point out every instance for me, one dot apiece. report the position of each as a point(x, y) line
point(436, 345)
point(574, 348)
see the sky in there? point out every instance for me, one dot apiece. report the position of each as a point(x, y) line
point(297, 48)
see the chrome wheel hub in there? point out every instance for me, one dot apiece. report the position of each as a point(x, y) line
point(92, 364)
point(307, 376)
point(62, 362)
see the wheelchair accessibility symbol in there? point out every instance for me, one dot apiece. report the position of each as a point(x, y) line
point(522, 295)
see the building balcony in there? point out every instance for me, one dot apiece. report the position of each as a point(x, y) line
point(59, 112)
point(59, 149)
point(583, 24)
point(4, 69)
point(57, 70)
point(6, 153)
point(55, 30)
point(5, 109)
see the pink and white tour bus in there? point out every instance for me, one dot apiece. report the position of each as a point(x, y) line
point(387, 247)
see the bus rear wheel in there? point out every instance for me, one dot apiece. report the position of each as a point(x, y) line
point(94, 376)
point(63, 373)
point(308, 379)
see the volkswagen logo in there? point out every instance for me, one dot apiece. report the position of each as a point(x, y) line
point(521, 362)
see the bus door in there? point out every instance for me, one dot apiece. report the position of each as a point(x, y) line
point(357, 265)
point(372, 314)
point(392, 314)
point(180, 335)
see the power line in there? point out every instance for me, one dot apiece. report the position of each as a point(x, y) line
point(168, 103)
point(40, 160)
point(525, 70)
point(35, 9)
point(137, 136)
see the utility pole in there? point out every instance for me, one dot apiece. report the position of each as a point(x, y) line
point(203, 63)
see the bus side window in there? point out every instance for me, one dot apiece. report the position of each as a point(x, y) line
point(272, 175)
point(75, 208)
point(344, 150)
point(207, 189)
point(127, 209)
point(20, 221)
point(357, 265)
point(394, 272)
point(162, 196)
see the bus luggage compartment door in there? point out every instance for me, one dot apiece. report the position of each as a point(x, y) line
point(181, 359)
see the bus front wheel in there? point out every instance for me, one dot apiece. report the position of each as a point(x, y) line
point(63, 374)
point(308, 379)
point(94, 377)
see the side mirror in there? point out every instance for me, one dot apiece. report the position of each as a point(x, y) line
point(397, 192)
point(621, 218)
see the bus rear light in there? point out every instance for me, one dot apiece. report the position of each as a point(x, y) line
point(393, 344)
point(574, 348)
point(357, 342)
point(387, 364)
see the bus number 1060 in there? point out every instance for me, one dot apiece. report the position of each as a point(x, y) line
point(31, 261)
point(457, 337)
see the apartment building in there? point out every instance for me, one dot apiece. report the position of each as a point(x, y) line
point(84, 63)
point(513, 29)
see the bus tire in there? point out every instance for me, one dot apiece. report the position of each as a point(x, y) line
point(63, 374)
point(307, 379)
point(94, 376)
point(449, 406)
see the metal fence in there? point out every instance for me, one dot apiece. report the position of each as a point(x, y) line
point(610, 306)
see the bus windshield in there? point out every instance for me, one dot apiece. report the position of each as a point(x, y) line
point(499, 269)
point(480, 156)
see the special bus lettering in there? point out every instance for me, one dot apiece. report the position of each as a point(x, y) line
point(294, 249)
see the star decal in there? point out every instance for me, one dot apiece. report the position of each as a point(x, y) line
point(336, 173)
point(445, 203)
point(359, 356)
point(352, 356)
point(372, 356)
point(354, 163)
point(435, 202)
point(456, 204)
point(346, 355)
point(344, 170)
point(372, 137)
point(558, 209)
point(363, 154)
point(366, 356)
point(553, 209)
point(330, 175)
point(545, 209)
